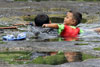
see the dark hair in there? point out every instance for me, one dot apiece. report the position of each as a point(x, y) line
point(41, 19)
point(77, 16)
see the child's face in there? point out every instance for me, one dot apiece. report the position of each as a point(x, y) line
point(69, 20)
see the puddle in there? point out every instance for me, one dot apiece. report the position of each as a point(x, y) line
point(51, 58)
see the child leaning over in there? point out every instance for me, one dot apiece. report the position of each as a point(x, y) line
point(68, 28)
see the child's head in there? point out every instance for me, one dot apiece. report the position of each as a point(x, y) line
point(73, 18)
point(41, 19)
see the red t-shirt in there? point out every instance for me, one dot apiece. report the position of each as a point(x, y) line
point(68, 31)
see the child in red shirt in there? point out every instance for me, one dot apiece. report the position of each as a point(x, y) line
point(68, 28)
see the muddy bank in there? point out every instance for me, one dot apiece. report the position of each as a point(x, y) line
point(90, 10)
point(49, 7)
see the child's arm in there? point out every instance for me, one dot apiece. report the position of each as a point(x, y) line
point(97, 29)
point(50, 25)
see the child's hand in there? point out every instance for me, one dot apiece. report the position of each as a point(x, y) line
point(50, 25)
point(44, 25)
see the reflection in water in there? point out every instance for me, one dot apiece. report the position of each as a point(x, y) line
point(70, 56)
point(43, 57)
point(73, 56)
point(70, 38)
point(53, 39)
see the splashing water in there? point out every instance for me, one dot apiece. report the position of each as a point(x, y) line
point(42, 33)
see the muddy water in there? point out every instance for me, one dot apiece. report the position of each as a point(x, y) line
point(88, 42)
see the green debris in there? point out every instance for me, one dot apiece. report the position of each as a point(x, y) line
point(60, 59)
point(60, 53)
point(84, 20)
point(22, 57)
point(57, 15)
point(28, 17)
point(3, 26)
point(39, 60)
point(58, 9)
point(32, 37)
point(22, 26)
point(87, 56)
point(51, 60)
point(93, 41)
point(22, 30)
point(97, 12)
point(97, 48)
point(81, 43)
point(2, 42)
point(55, 39)
point(57, 19)
point(55, 59)
point(12, 57)
point(53, 17)
point(15, 52)
point(16, 62)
